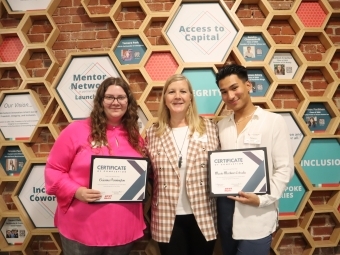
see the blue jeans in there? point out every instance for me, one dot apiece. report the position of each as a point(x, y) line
point(225, 212)
point(258, 246)
point(230, 246)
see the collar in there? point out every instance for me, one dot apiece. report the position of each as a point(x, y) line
point(256, 115)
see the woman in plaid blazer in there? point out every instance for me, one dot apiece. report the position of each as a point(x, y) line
point(183, 220)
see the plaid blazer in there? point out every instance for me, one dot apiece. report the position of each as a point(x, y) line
point(166, 181)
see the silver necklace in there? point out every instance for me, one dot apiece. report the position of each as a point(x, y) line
point(244, 118)
point(180, 150)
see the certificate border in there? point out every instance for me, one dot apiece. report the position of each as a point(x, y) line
point(244, 149)
point(93, 157)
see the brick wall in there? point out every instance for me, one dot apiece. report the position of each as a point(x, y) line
point(79, 34)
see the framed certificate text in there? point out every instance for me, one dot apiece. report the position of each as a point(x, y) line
point(119, 179)
point(232, 171)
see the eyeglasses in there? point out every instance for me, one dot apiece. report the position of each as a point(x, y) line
point(111, 99)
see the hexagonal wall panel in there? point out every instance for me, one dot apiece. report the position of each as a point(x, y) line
point(295, 132)
point(38, 62)
point(6, 189)
point(315, 46)
point(329, 233)
point(311, 14)
point(136, 81)
point(252, 13)
point(153, 30)
point(332, 28)
point(321, 162)
point(10, 78)
point(207, 94)
point(336, 97)
point(129, 14)
point(324, 199)
point(42, 88)
point(10, 48)
point(289, 96)
point(292, 196)
point(260, 82)
point(253, 47)
point(19, 114)
point(13, 230)
point(28, 5)
point(95, 10)
point(161, 65)
point(38, 242)
point(316, 81)
point(42, 141)
point(335, 63)
point(39, 28)
point(317, 117)
point(203, 36)
point(79, 81)
point(8, 21)
point(283, 29)
point(39, 206)
point(161, 6)
point(129, 50)
point(153, 99)
point(291, 241)
point(12, 160)
point(284, 65)
point(103, 23)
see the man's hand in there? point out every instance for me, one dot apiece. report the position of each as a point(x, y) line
point(87, 195)
point(246, 198)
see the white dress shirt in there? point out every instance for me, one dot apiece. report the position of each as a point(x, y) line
point(249, 222)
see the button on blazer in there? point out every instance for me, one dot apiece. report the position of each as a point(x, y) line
point(166, 181)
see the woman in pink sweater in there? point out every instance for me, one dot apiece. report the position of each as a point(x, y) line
point(112, 129)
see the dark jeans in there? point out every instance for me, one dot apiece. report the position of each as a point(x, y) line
point(71, 247)
point(225, 212)
point(187, 239)
point(258, 246)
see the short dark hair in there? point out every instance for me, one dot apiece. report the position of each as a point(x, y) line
point(228, 70)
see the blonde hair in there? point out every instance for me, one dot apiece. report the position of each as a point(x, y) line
point(195, 122)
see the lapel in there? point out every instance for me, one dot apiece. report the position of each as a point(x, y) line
point(193, 149)
point(170, 149)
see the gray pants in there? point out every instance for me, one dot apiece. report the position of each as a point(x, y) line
point(71, 247)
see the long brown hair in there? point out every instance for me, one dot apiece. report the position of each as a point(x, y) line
point(129, 119)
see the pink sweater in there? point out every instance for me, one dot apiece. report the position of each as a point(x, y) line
point(68, 168)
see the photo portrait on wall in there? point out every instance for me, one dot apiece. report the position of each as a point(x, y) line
point(279, 69)
point(11, 164)
point(248, 52)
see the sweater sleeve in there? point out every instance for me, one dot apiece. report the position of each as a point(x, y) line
point(283, 162)
point(57, 179)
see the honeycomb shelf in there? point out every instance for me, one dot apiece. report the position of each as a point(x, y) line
point(37, 51)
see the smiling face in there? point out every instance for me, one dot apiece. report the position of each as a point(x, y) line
point(235, 92)
point(114, 109)
point(177, 98)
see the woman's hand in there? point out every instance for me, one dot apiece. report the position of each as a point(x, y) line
point(87, 195)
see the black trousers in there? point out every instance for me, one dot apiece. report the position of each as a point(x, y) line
point(187, 239)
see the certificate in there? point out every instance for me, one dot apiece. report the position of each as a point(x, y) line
point(232, 171)
point(119, 179)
